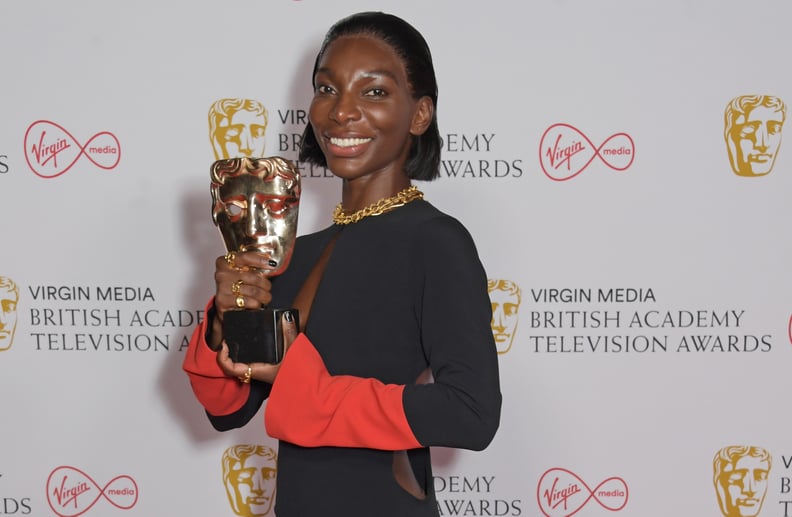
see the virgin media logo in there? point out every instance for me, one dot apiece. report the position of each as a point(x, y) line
point(50, 150)
point(561, 493)
point(565, 152)
point(71, 492)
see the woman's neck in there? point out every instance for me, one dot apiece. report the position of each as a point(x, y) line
point(362, 192)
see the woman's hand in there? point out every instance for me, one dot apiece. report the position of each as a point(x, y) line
point(264, 372)
point(241, 281)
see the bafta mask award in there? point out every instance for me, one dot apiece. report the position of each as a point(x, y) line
point(255, 202)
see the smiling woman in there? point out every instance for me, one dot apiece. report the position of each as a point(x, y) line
point(364, 117)
point(395, 353)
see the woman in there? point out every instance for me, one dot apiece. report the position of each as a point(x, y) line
point(401, 291)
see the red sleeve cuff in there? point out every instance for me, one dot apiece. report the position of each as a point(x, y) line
point(311, 408)
point(218, 393)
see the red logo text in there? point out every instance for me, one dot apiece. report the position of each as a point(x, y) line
point(71, 492)
point(561, 493)
point(50, 150)
point(565, 152)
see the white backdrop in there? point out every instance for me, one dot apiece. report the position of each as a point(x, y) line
point(112, 248)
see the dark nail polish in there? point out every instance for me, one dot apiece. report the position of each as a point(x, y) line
point(289, 316)
point(272, 263)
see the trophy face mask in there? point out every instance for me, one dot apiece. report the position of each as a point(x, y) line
point(255, 203)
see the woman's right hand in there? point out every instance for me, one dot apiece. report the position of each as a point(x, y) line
point(240, 283)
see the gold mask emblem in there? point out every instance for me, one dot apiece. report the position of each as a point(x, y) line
point(752, 130)
point(9, 297)
point(505, 299)
point(237, 128)
point(741, 476)
point(249, 473)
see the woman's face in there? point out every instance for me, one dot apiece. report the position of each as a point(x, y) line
point(363, 113)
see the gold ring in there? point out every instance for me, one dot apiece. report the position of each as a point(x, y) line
point(230, 257)
point(240, 301)
point(246, 378)
point(235, 286)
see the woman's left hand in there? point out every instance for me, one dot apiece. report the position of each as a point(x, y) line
point(264, 372)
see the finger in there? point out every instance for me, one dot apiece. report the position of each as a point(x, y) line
point(224, 360)
point(241, 290)
point(289, 326)
point(223, 354)
point(255, 261)
point(246, 377)
point(261, 298)
point(227, 277)
point(232, 369)
point(259, 291)
point(227, 262)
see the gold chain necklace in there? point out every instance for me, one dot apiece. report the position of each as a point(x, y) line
point(380, 207)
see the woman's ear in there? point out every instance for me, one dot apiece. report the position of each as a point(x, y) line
point(422, 118)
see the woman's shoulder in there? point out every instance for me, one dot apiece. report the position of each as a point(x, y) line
point(421, 212)
point(316, 237)
point(435, 228)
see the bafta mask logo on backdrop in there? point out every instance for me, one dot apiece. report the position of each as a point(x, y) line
point(71, 492)
point(752, 130)
point(237, 128)
point(561, 493)
point(50, 150)
point(9, 297)
point(741, 476)
point(505, 298)
point(249, 473)
point(565, 152)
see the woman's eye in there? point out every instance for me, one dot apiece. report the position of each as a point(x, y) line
point(376, 92)
point(323, 88)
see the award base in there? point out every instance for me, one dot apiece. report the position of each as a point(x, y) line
point(256, 335)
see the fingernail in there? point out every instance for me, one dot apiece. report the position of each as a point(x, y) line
point(289, 317)
point(272, 263)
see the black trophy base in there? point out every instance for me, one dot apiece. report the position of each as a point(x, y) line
point(256, 335)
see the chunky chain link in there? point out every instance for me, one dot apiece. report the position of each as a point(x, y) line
point(380, 207)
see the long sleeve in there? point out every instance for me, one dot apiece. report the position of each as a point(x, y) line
point(228, 402)
point(310, 407)
point(461, 408)
point(451, 312)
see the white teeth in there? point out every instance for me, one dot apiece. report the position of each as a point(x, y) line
point(348, 142)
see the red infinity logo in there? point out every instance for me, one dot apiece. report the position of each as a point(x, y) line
point(50, 150)
point(71, 492)
point(562, 493)
point(565, 152)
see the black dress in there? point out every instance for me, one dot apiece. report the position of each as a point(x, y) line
point(401, 292)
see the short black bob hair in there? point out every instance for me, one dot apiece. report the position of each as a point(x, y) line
point(423, 162)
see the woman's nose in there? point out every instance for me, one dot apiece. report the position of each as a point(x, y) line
point(345, 109)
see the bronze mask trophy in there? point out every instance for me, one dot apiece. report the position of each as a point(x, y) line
point(255, 203)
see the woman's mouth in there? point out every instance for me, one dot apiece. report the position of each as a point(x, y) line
point(348, 142)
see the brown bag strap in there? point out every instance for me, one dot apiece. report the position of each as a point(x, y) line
point(305, 296)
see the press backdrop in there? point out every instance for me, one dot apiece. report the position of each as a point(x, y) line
point(586, 150)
